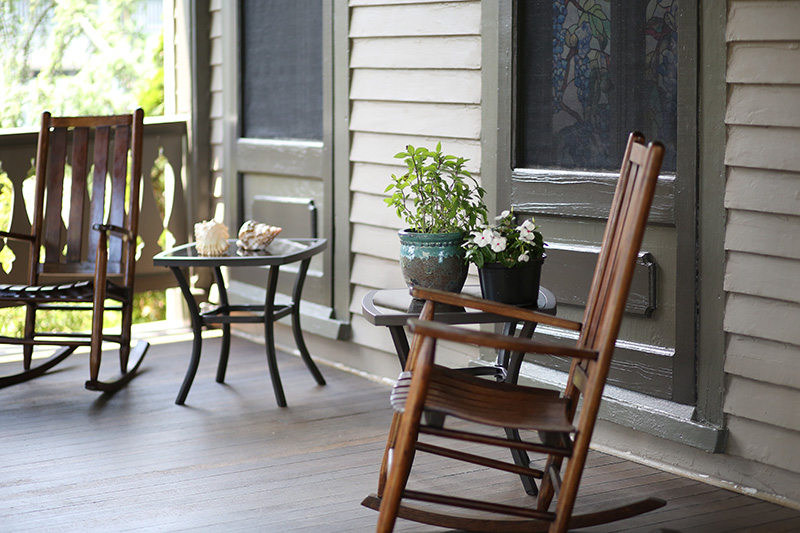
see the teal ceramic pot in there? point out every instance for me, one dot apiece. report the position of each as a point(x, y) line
point(515, 286)
point(433, 260)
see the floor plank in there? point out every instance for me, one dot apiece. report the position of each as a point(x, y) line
point(231, 460)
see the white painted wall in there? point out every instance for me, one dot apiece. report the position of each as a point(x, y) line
point(415, 79)
point(762, 239)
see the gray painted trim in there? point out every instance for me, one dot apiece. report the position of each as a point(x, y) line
point(496, 101)
point(686, 209)
point(569, 274)
point(711, 235)
point(340, 172)
point(286, 158)
point(199, 184)
point(661, 418)
point(542, 191)
point(230, 109)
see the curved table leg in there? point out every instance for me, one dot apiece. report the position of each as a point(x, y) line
point(269, 336)
point(296, 330)
point(197, 329)
point(513, 363)
point(226, 327)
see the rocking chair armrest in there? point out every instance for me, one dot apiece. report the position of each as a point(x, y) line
point(16, 236)
point(488, 306)
point(111, 228)
point(430, 328)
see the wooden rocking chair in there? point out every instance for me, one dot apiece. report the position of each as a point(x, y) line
point(428, 389)
point(74, 256)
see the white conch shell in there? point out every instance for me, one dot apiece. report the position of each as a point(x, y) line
point(256, 236)
point(211, 237)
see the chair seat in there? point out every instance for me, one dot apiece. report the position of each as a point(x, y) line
point(78, 291)
point(489, 402)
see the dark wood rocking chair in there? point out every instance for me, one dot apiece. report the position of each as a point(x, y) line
point(88, 255)
point(429, 389)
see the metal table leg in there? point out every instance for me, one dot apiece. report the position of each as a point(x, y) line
point(225, 347)
point(297, 292)
point(197, 329)
point(269, 335)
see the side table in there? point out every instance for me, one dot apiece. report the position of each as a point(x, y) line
point(279, 252)
point(393, 307)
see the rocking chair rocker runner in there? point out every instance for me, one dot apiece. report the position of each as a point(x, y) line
point(92, 243)
point(442, 392)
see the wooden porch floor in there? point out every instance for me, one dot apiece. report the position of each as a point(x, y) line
point(230, 460)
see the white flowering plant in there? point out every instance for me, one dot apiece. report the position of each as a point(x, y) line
point(505, 242)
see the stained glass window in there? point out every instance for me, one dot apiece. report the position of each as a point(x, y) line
point(589, 72)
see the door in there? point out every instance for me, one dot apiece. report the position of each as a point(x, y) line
point(588, 73)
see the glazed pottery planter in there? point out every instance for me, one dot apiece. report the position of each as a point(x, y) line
point(515, 286)
point(433, 260)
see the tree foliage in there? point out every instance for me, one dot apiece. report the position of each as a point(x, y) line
point(72, 57)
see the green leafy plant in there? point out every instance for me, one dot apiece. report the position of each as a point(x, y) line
point(505, 242)
point(437, 194)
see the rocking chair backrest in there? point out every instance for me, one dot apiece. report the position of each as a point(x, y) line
point(610, 285)
point(82, 180)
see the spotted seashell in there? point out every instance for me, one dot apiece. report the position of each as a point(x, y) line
point(211, 237)
point(256, 236)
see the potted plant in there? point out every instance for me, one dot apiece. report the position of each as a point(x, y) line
point(509, 258)
point(439, 201)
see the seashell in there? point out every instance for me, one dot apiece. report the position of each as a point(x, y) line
point(256, 236)
point(211, 237)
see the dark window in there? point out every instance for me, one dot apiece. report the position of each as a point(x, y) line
point(591, 71)
point(281, 69)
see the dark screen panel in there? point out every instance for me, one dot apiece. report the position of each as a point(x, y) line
point(591, 72)
point(281, 62)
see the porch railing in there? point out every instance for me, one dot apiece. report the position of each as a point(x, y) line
point(163, 219)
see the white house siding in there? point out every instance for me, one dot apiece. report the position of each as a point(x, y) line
point(415, 79)
point(762, 272)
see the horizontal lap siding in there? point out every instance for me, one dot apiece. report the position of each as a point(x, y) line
point(415, 79)
point(762, 198)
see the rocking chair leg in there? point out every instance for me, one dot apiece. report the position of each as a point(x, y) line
point(402, 458)
point(390, 442)
point(125, 345)
point(30, 324)
point(30, 373)
point(138, 352)
point(27, 357)
point(547, 489)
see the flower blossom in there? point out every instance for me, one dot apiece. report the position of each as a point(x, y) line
point(502, 215)
point(523, 257)
point(498, 243)
point(526, 230)
point(483, 238)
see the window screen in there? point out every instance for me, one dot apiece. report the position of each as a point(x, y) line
point(281, 62)
point(589, 73)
